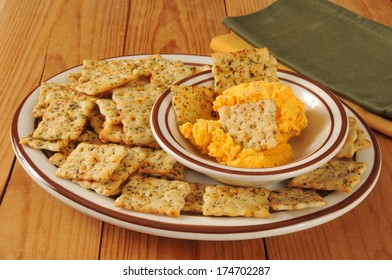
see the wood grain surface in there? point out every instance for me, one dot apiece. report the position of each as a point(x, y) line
point(39, 39)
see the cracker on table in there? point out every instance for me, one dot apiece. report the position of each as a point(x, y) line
point(135, 105)
point(233, 68)
point(153, 195)
point(193, 102)
point(160, 163)
point(165, 73)
point(100, 76)
point(295, 199)
point(92, 162)
point(194, 200)
point(336, 174)
point(252, 125)
point(129, 164)
point(224, 200)
point(63, 120)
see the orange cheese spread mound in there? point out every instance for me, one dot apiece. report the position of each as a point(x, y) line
point(212, 139)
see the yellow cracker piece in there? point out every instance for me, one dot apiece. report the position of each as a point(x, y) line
point(135, 106)
point(160, 163)
point(128, 165)
point(233, 68)
point(99, 76)
point(252, 125)
point(153, 195)
point(193, 102)
point(295, 199)
point(165, 73)
point(236, 201)
point(92, 162)
point(361, 142)
point(194, 200)
point(41, 144)
point(63, 120)
point(339, 175)
point(108, 109)
point(112, 133)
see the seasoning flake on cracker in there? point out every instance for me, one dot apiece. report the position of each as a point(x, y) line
point(165, 73)
point(153, 195)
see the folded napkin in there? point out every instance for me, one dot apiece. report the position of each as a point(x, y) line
point(349, 54)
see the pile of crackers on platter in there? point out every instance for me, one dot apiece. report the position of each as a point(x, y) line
point(96, 127)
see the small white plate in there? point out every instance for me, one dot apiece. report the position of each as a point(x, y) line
point(36, 164)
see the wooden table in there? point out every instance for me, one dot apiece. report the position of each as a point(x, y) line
point(42, 38)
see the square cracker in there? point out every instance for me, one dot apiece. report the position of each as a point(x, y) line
point(41, 144)
point(165, 73)
point(193, 102)
point(224, 200)
point(339, 175)
point(135, 105)
point(108, 109)
point(63, 120)
point(128, 166)
point(295, 199)
point(100, 76)
point(252, 125)
point(153, 195)
point(233, 68)
point(92, 162)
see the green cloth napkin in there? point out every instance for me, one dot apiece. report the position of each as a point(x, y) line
point(345, 52)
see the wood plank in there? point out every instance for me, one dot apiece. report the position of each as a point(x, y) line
point(118, 243)
point(43, 227)
point(166, 26)
point(22, 54)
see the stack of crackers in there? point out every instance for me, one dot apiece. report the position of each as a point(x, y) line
point(96, 127)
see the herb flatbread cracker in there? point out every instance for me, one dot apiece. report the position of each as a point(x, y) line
point(165, 73)
point(193, 102)
point(236, 201)
point(100, 76)
point(295, 199)
point(194, 200)
point(153, 195)
point(252, 125)
point(92, 162)
point(41, 144)
point(339, 175)
point(233, 68)
point(63, 120)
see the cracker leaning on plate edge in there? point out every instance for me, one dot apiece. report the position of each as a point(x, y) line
point(101, 140)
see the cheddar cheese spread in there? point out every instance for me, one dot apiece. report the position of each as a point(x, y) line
point(246, 135)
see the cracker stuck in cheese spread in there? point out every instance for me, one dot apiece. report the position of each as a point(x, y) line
point(256, 121)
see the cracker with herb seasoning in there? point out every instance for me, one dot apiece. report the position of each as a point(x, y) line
point(295, 199)
point(252, 125)
point(194, 200)
point(224, 200)
point(63, 120)
point(145, 66)
point(41, 144)
point(92, 162)
point(154, 196)
point(193, 102)
point(129, 164)
point(160, 163)
point(135, 105)
point(99, 76)
point(335, 175)
point(233, 68)
point(166, 72)
point(108, 108)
